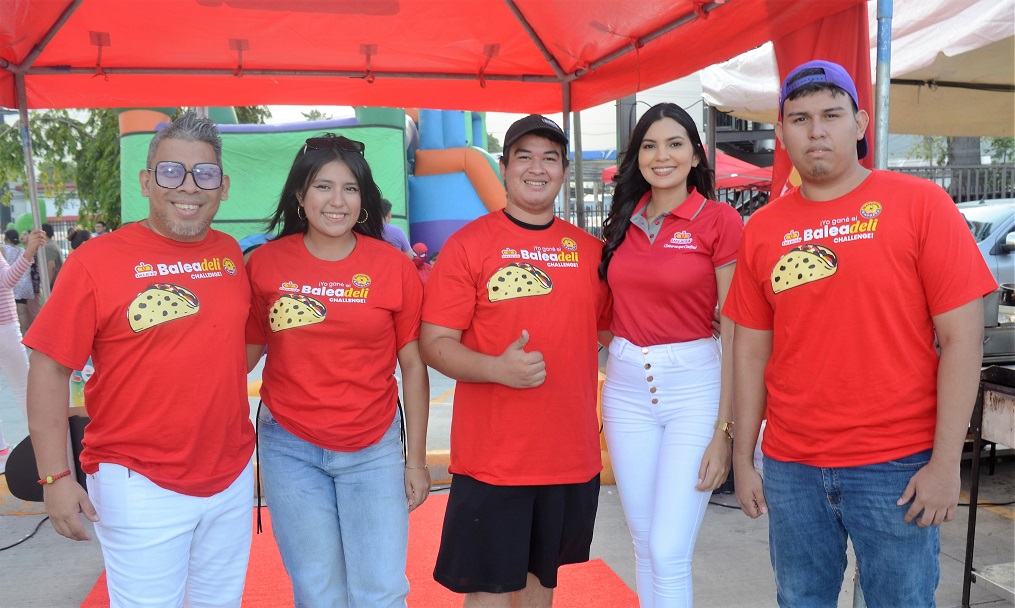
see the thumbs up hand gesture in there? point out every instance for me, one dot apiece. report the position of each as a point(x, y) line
point(520, 369)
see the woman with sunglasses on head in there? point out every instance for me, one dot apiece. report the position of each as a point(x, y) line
point(336, 306)
point(667, 401)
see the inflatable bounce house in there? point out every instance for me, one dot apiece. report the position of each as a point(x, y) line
point(455, 179)
point(431, 164)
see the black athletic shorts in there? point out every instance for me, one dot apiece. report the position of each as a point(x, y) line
point(494, 535)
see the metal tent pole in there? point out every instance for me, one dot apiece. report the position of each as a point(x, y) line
point(626, 120)
point(565, 99)
point(883, 84)
point(33, 195)
point(711, 116)
point(579, 173)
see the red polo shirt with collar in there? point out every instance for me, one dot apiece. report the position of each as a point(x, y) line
point(665, 291)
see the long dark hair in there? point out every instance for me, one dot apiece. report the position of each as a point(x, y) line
point(631, 184)
point(306, 166)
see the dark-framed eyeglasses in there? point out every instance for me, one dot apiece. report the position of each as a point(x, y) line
point(171, 174)
point(332, 142)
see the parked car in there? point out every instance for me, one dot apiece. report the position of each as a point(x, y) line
point(992, 223)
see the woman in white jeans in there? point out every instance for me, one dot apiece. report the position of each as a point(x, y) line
point(667, 402)
point(13, 358)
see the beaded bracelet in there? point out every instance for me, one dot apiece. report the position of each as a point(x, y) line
point(422, 468)
point(45, 481)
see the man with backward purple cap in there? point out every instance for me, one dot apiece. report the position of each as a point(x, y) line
point(840, 288)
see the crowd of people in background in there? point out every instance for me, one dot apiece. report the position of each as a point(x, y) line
point(707, 322)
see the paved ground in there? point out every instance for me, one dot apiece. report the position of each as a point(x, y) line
point(731, 566)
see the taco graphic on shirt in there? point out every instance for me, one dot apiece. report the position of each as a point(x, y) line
point(804, 264)
point(161, 303)
point(518, 280)
point(295, 310)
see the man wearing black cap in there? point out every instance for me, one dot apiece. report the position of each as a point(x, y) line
point(511, 311)
point(840, 287)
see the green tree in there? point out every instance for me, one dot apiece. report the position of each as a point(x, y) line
point(252, 115)
point(98, 170)
point(56, 141)
point(493, 144)
point(1001, 149)
point(316, 114)
point(931, 148)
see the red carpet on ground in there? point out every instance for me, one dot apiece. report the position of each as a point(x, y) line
point(590, 585)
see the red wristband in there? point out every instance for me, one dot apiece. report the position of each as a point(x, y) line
point(45, 481)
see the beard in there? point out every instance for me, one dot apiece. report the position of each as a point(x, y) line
point(818, 170)
point(179, 229)
point(186, 230)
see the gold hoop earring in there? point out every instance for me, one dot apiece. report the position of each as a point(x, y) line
point(299, 209)
point(364, 220)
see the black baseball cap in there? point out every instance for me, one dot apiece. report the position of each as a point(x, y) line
point(535, 123)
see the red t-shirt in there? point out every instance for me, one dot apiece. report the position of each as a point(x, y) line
point(852, 379)
point(492, 280)
point(163, 323)
point(333, 331)
point(665, 292)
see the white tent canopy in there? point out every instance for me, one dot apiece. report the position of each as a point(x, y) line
point(952, 70)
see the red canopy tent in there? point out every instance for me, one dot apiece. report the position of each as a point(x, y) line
point(500, 55)
point(730, 172)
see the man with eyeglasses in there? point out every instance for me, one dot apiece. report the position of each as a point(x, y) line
point(160, 306)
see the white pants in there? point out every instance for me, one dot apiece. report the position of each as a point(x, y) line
point(161, 547)
point(14, 365)
point(659, 407)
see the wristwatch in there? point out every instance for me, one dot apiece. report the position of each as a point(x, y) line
point(725, 427)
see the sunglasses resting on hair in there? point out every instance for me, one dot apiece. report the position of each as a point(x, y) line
point(330, 142)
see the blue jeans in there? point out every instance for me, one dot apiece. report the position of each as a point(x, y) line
point(340, 519)
point(813, 510)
